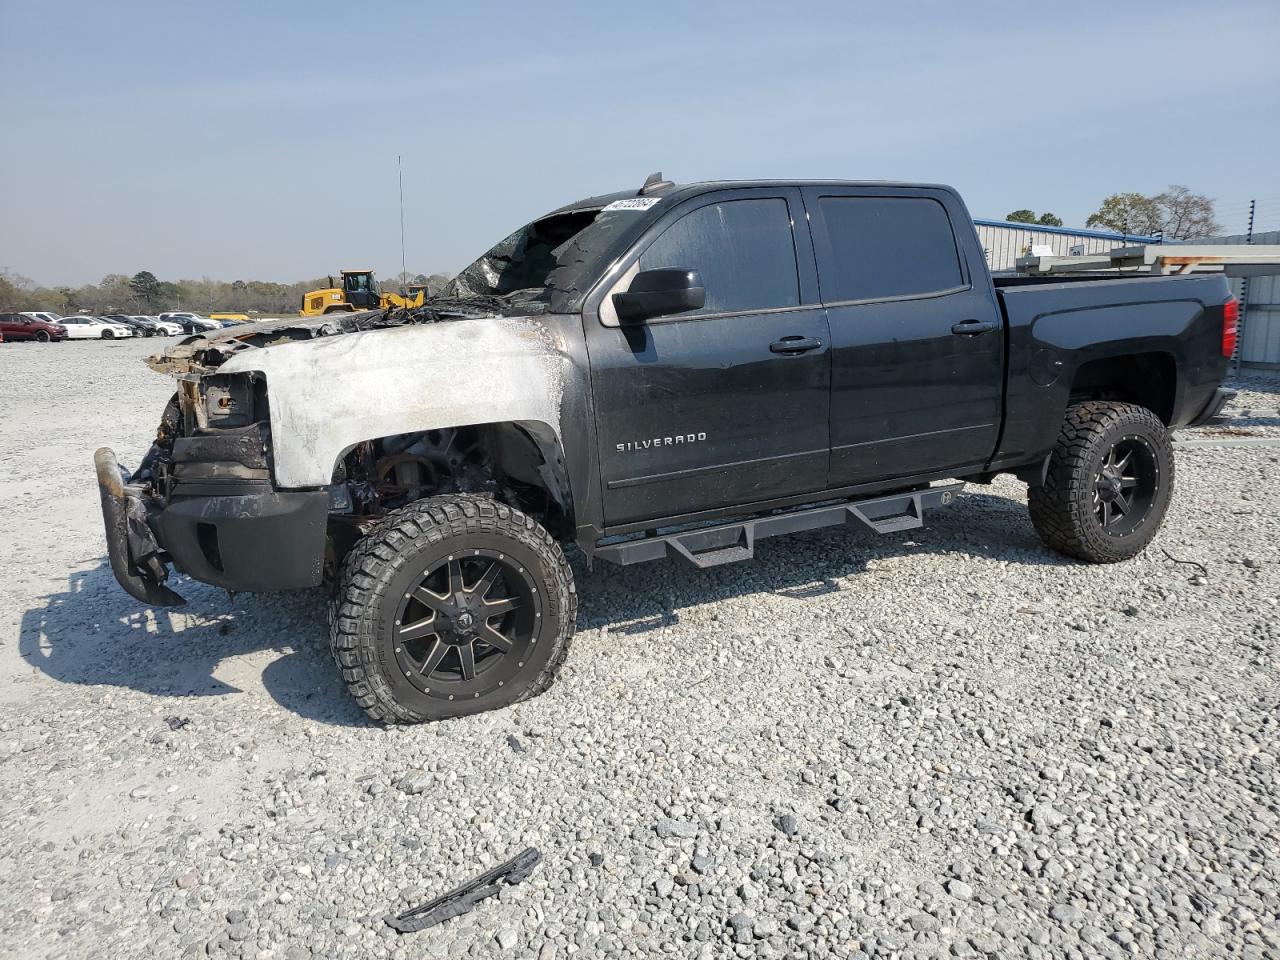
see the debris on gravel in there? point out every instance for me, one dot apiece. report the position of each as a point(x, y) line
point(848, 747)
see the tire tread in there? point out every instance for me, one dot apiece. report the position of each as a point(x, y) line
point(378, 556)
point(1057, 514)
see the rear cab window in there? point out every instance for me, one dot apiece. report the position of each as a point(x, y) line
point(886, 247)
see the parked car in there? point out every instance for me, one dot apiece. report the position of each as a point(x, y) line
point(675, 372)
point(192, 322)
point(229, 319)
point(22, 326)
point(141, 327)
point(165, 328)
point(47, 316)
point(84, 327)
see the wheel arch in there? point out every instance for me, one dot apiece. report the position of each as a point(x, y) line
point(519, 461)
point(1148, 379)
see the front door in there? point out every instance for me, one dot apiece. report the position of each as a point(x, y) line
point(917, 337)
point(728, 404)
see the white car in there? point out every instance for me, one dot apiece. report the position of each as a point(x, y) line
point(81, 327)
point(167, 327)
point(191, 322)
point(46, 315)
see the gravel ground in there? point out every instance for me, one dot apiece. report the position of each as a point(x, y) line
point(1255, 412)
point(945, 743)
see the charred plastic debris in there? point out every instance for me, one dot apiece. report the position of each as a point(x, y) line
point(464, 898)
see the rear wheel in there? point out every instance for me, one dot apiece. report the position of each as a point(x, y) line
point(1109, 483)
point(451, 606)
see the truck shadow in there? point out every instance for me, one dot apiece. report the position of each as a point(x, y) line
point(94, 634)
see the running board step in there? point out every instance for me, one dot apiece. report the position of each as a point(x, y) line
point(704, 547)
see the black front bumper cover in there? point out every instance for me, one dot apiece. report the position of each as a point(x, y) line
point(131, 545)
point(244, 537)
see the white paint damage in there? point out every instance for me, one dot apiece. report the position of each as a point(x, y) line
point(330, 393)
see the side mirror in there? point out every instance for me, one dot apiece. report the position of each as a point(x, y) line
point(660, 293)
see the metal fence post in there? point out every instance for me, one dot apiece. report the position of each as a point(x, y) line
point(1244, 298)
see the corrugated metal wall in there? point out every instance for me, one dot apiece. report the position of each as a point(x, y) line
point(1260, 333)
point(1004, 243)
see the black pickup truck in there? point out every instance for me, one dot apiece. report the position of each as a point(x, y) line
point(676, 371)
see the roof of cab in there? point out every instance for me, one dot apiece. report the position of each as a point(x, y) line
point(683, 190)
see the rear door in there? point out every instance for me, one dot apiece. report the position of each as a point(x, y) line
point(725, 405)
point(916, 333)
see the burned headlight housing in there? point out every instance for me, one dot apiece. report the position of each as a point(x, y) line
point(222, 401)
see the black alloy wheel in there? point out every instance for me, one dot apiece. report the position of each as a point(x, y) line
point(1125, 485)
point(466, 627)
point(449, 606)
point(1108, 483)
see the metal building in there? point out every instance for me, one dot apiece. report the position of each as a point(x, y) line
point(1260, 319)
point(1004, 242)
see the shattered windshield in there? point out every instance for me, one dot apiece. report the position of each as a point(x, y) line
point(546, 261)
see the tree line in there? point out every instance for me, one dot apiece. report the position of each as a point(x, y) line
point(1175, 213)
point(144, 293)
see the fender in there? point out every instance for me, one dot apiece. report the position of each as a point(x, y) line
point(328, 394)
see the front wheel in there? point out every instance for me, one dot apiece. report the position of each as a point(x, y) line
point(451, 606)
point(42, 336)
point(1109, 482)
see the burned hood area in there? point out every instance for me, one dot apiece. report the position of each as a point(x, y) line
point(208, 351)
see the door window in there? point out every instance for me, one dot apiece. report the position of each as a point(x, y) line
point(883, 247)
point(742, 249)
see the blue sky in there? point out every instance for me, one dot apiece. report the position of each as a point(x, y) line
point(259, 140)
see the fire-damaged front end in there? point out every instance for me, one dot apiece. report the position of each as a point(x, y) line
point(204, 500)
point(282, 445)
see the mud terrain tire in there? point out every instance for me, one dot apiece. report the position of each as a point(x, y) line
point(1109, 482)
point(422, 570)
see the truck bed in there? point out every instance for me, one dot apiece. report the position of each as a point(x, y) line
point(1060, 328)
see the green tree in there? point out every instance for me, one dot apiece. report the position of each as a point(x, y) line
point(1021, 216)
point(145, 288)
point(10, 295)
point(1127, 213)
point(1029, 216)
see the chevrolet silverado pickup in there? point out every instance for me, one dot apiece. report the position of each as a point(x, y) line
point(675, 371)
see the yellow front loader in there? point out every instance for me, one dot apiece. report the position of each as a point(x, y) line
point(357, 291)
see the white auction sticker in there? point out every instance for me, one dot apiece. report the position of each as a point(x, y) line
point(636, 203)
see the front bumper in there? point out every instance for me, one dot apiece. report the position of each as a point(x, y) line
point(260, 540)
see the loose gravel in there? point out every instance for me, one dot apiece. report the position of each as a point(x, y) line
point(943, 743)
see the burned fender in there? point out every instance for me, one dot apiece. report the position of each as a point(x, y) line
point(328, 394)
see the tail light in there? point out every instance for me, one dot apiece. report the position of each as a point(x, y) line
point(1230, 320)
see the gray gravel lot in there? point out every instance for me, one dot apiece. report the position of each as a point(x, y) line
point(948, 743)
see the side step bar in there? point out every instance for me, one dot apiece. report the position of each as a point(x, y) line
point(711, 546)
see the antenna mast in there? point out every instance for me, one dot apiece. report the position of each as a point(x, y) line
point(403, 271)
